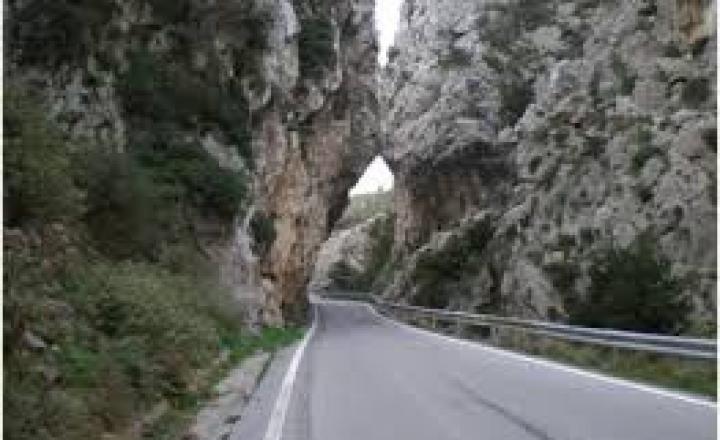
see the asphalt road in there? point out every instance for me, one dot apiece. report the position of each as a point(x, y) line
point(365, 378)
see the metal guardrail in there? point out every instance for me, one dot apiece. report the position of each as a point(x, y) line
point(690, 348)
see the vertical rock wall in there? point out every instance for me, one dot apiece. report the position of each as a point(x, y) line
point(313, 137)
point(313, 129)
point(572, 125)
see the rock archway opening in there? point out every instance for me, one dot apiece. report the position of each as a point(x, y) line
point(360, 244)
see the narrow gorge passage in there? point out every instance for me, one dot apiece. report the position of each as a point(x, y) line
point(181, 177)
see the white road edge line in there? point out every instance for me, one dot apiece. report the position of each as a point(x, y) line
point(277, 417)
point(552, 364)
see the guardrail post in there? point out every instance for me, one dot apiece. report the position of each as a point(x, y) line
point(494, 335)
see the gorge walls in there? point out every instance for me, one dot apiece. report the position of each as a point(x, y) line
point(524, 136)
point(315, 130)
point(280, 94)
point(541, 132)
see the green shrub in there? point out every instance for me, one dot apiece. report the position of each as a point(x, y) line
point(125, 335)
point(620, 69)
point(644, 150)
point(186, 172)
point(514, 18)
point(262, 228)
point(440, 272)
point(515, 95)
point(159, 95)
point(633, 289)
point(38, 173)
point(345, 277)
point(127, 214)
point(316, 51)
point(170, 11)
point(381, 237)
point(47, 32)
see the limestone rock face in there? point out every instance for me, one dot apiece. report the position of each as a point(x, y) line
point(313, 129)
point(78, 59)
point(350, 249)
point(575, 124)
point(313, 137)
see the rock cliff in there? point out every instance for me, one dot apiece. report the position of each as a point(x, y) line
point(314, 132)
point(352, 259)
point(281, 93)
point(546, 131)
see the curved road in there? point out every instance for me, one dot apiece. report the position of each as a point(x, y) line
point(363, 377)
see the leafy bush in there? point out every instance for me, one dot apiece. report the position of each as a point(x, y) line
point(125, 335)
point(644, 150)
point(127, 215)
point(189, 174)
point(161, 94)
point(441, 271)
point(620, 69)
point(140, 203)
point(633, 289)
point(515, 95)
point(263, 231)
point(51, 31)
point(170, 10)
point(381, 237)
point(39, 185)
point(514, 18)
point(345, 277)
point(315, 47)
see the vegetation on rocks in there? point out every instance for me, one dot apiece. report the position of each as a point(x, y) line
point(315, 45)
point(362, 207)
point(439, 272)
point(347, 277)
point(262, 228)
point(111, 304)
point(633, 288)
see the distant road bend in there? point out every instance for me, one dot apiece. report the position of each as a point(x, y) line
point(363, 377)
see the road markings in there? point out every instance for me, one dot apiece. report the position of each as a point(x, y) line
point(552, 364)
point(277, 418)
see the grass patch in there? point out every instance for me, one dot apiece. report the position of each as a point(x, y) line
point(694, 376)
point(239, 346)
